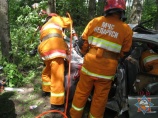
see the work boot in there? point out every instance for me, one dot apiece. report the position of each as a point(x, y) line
point(44, 94)
point(58, 108)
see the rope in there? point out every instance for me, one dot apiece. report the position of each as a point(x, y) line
point(50, 111)
point(68, 81)
point(69, 71)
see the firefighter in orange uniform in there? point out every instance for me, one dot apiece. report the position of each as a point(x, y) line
point(104, 40)
point(149, 60)
point(53, 50)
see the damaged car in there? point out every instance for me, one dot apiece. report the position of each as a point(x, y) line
point(134, 93)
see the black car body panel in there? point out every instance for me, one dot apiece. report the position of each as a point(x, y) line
point(122, 100)
point(143, 106)
point(148, 38)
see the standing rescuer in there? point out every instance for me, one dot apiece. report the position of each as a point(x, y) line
point(104, 40)
point(53, 50)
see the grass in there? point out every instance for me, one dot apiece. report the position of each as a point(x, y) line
point(17, 104)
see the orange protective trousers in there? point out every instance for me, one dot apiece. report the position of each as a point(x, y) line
point(83, 90)
point(54, 73)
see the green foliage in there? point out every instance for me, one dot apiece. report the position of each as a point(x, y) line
point(24, 35)
point(17, 77)
point(24, 21)
point(78, 11)
point(14, 77)
point(149, 12)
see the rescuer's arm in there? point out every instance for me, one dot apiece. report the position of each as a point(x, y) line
point(126, 46)
point(82, 42)
point(81, 46)
point(136, 52)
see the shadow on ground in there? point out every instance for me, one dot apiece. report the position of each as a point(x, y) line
point(7, 106)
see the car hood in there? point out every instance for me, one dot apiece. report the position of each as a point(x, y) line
point(151, 38)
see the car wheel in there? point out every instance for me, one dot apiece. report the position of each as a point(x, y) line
point(124, 115)
point(109, 113)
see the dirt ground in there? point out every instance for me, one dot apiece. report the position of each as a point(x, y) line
point(17, 104)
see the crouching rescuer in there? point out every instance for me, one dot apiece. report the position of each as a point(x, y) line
point(53, 50)
point(104, 40)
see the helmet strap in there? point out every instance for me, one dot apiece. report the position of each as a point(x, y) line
point(123, 17)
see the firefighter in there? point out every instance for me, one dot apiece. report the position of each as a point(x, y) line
point(149, 60)
point(105, 40)
point(53, 51)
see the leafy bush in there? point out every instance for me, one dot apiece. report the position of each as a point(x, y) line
point(24, 38)
point(14, 77)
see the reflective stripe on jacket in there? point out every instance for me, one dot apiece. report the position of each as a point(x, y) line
point(52, 44)
point(102, 43)
point(51, 25)
point(107, 34)
point(53, 54)
point(149, 62)
point(150, 58)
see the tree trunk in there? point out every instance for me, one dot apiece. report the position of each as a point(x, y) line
point(92, 9)
point(136, 11)
point(156, 21)
point(4, 29)
point(51, 6)
point(100, 7)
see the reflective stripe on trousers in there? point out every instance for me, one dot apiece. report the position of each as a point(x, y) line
point(46, 86)
point(83, 90)
point(46, 77)
point(57, 94)
point(57, 81)
point(91, 116)
point(46, 83)
point(76, 108)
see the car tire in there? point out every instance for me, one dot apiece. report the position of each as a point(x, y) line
point(124, 115)
point(109, 113)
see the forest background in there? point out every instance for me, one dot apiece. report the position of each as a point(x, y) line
point(19, 38)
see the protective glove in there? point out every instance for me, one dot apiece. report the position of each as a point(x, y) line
point(132, 60)
point(77, 49)
point(74, 34)
point(73, 31)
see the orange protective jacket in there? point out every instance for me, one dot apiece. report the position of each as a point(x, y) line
point(51, 35)
point(108, 36)
point(105, 39)
point(53, 49)
point(149, 62)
